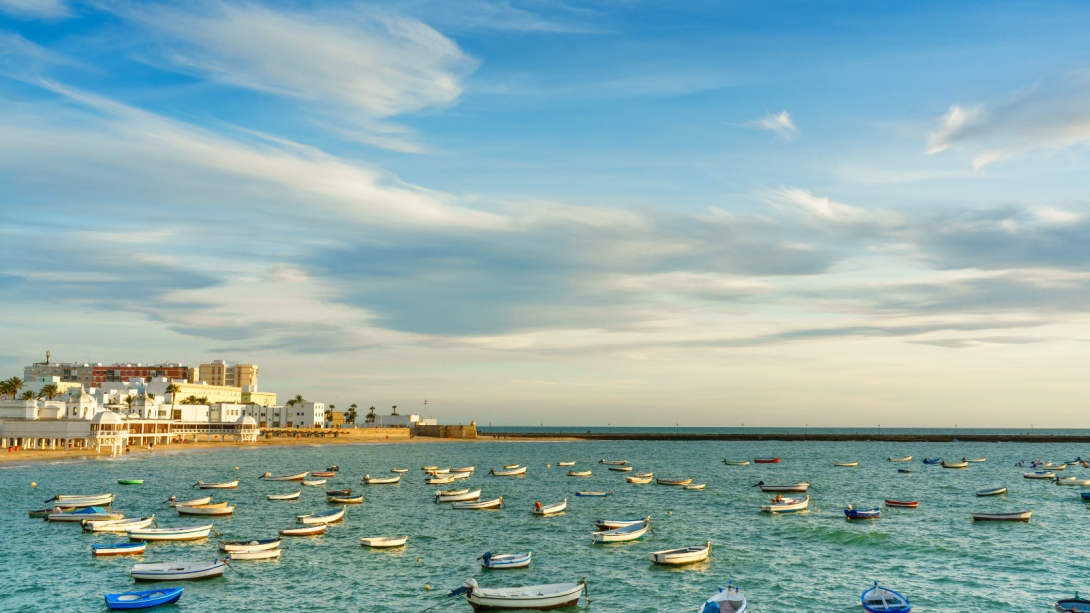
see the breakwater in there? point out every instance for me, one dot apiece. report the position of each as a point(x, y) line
point(791, 437)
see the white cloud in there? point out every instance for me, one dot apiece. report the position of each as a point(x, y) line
point(35, 9)
point(827, 210)
point(355, 65)
point(780, 124)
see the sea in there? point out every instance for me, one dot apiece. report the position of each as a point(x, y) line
point(935, 555)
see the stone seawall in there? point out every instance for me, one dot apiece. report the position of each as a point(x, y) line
point(894, 438)
point(462, 432)
point(339, 433)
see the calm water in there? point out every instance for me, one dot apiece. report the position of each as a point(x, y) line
point(818, 561)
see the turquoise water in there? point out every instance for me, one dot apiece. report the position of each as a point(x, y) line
point(818, 561)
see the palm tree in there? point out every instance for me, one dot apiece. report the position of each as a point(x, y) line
point(48, 391)
point(290, 403)
point(150, 396)
point(371, 416)
point(28, 395)
point(329, 412)
point(299, 399)
point(4, 389)
point(350, 416)
point(173, 390)
point(13, 386)
point(129, 400)
point(395, 410)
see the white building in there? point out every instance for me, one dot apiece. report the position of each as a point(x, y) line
point(400, 421)
point(307, 415)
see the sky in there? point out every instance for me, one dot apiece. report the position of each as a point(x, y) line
point(840, 214)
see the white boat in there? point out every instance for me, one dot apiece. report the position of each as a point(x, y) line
point(226, 485)
point(459, 475)
point(794, 487)
point(452, 492)
point(579, 473)
point(993, 492)
point(538, 597)
point(256, 555)
point(879, 600)
point(220, 508)
point(378, 542)
point(307, 531)
point(322, 518)
point(515, 472)
point(439, 481)
point(463, 496)
point(785, 505)
point(955, 465)
point(613, 462)
point(729, 600)
point(687, 555)
point(621, 469)
point(506, 561)
point(1017, 516)
point(82, 502)
point(429, 467)
point(976, 460)
point(478, 505)
point(613, 524)
point(638, 479)
point(315, 482)
point(565, 463)
point(509, 466)
point(368, 480)
point(117, 525)
point(743, 463)
point(399, 470)
point(87, 513)
point(1072, 481)
point(695, 486)
point(297, 477)
point(674, 481)
point(291, 496)
point(644, 475)
point(178, 571)
point(438, 471)
point(175, 502)
point(907, 458)
point(467, 469)
point(170, 534)
point(847, 464)
point(1034, 464)
point(617, 535)
point(233, 547)
point(1058, 467)
point(1039, 475)
point(551, 509)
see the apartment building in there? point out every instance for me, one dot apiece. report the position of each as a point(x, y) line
point(67, 372)
point(116, 373)
point(219, 372)
point(307, 415)
point(214, 393)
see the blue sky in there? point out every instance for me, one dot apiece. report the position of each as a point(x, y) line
point(624, 212)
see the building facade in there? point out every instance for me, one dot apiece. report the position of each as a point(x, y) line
point(219, 372)
point(117, 373)
point(306, 415)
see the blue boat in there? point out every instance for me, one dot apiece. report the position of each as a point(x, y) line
point(904, 470)
point(511, 560)
point(595, 494)
point(883, 600)
point(851, 513)
point(143, 600)
point(1085, 495)
point(932, 460)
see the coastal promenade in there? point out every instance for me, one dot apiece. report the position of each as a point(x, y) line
point(793, 436)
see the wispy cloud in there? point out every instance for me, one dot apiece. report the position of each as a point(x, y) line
point(780, 124)
point(35, 9)
point(826, 210)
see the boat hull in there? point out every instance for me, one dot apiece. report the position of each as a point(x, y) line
point(167, 534)
point(551, 509)
point(675, 557)
point(205, 510)
point(797, 487)
point(233, 547)
point(170, 572)
point(383, 542)
point(996, 492)
point(308, 531)
point(902, 504)
point(298, 477)
point(228, 485)
point(791, 506)
point(124, 549)
point(1023, 516)
point(268, 554)
point(143, 600)
point(767, 461)
point(507, 562)
point(482, 600)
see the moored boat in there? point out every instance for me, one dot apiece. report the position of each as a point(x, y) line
point(976, 460)
point(514, 472)
point(65, 502)
point(429, 467)
point(1016, 516)
point(173, 500)
point(170, 534)
point(130, 481)
point(233, 547)
point(852, 513)
point(316, 482)
point(438, 481)
point(506, 561)
point(143, 600)
point(292, 496)
point(220, 508)
point(119, 549)
point(338, 492)
point(224, 485)
point(638, 479)
point(297, 477)
point(565, 463)
point(344, 499)
point(454, 475)
point(256, 555)
point(742, 463)
point(368, 480)
point(594, 494)
point(785, 505)
point(932, 460)
point(621, 469)
point(382, 542)
point(44, 513)
point(322, 474)
point(399, 470)
point(766, 461)
point(613, 462)
point(625, 533)
point(552, 509)
point(904, 470)
point(1073, 605)
point(613, 524)
point(903, 503)
point(1039, 475)
point(791, 487)
point(579, 473)
point(479, 505)
point(178, 571)
point(457, 495)
point(729, 600)
point(535, 597)
point(686, 555)
point(307, 531)
point(116, 525)
point(674, 481)
point(467, 469)
point(882, 600)
point(97, 513)
point(322, 518)
point(644, 475)
point(695, 486)
point(955, 465)
point(509, 466)
point(1072, 481)
point(906, 458)
point(846, 464)
point(993, 492)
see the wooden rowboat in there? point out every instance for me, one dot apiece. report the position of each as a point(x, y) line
point(170, 534)
point(1039, 475)
point(617, 535)
point(579, 473)
point(439, 481)
point(1072, 481)
point(83, 503)
point(429, 467)
point(467, 469)
point(613, 462)
point(298, 477)
point(175, 502)
point(322, 518)
point(993, 492)
point(536, 597)
point(851, 513)
point(178, 571)
point(729, 600)
point(221, 508)
point(459, 475)
point(565, 463)
point(687, 555)
point(323, 474)
point(338, 492)
point(368, 480)
point(903, 504)
point(1017, 516)
point(381, 542)
point(674, 481)
point(551, 509)
point(120, 525)
point(479, 505)
point(794, 487)
point(399, 470)
point(457, 495)
point(44, 513)
point(84, 514)
point(315, 482)
point(766, 461)
point(613, 524)
point(345, 499)
point(786, 505)
point(143, 600)
point(509, 466)
point(621, 469)
point(695, 486)
point(308, 531)
point(955, 465)
point(594, 494)
point(233, 547)
point(742, 463)
point(506, 561)
point(226, 485)
point(119, 549)
point(291, 496)
point(907, 458)
point(644, 475)
point(256, 555)
point(881, 600)
point(509, 473)
point(846, 464)
point(638, 479)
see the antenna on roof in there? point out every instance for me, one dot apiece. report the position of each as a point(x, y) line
point(46, 356)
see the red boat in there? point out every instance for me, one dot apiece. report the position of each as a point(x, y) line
point(324, 474)
point(902, 503)
point(766, 461)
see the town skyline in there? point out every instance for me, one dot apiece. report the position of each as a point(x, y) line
point(833, 214)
